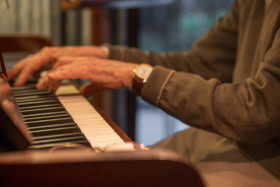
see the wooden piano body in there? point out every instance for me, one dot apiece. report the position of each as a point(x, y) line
point(72, 166)
point(88, 168)
point(102, 163)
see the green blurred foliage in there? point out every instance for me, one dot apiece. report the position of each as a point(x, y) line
point(175, 27)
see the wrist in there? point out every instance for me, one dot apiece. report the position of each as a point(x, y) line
point(105, 51)
point(127, 75)
point(141, 75)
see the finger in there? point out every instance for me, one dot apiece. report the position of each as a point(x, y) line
point(70, 71)
point(14, 71)
point(22, 64)
point(53, 85)
point(43, 82)
point(23, 76)
point(46, 83)
point(60, 75)
point(62, 61)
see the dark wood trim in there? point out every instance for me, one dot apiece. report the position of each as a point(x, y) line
point(28, 43)
point(132, 40)
point(88, 168)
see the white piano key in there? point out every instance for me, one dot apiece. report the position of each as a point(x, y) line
point(98, 132)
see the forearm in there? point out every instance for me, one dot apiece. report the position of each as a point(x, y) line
point(244, 112)
point(128, 54)
point(212, 56)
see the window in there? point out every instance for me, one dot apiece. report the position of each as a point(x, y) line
point(171, 28)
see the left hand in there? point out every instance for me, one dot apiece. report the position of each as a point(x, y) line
point(103, 74)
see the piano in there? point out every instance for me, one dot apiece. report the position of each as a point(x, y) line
point(65, 117)
point(60, 139)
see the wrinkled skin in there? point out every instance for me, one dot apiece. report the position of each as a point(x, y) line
point(88, 63)
point(33, 64)
point(104, 74)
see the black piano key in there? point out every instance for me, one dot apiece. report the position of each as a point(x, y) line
point(46, 117)
point(24, 87)
point(46, 113)
point(41, 110)
point(43, 137)
point(52, 131)
point(60, 125)
point(29, 92)
point(59, 139)
point(41, 106)
point(36, 103)
point(46, 96)
point(57, 132)
point(28, 99)
point(27, 86)
point(25, 94)
point(44, 146)
point(30, 81)
point(62, 138)
point(33, 123)
point(48, 121)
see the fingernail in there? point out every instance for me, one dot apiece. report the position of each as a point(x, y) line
point(50, 88)
point(51, 74)
point(38, 85)
point(16, 83)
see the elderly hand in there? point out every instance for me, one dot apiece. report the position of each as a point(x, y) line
point(32, 65)
point(103, 74)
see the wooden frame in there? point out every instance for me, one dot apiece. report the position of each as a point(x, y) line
point(82, 168)
point(23, 43)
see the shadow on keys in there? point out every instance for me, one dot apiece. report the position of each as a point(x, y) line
point(27, 159)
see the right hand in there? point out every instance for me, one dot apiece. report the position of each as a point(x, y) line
point(32, 64)
point(104, 74)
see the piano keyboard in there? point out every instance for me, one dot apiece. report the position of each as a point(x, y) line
point(98, 132)
point(64, 118)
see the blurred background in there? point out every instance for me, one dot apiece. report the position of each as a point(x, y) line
point(161, 26)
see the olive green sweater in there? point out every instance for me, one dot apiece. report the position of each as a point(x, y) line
point(229, 82)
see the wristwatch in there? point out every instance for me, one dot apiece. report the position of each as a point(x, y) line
point(141, 74)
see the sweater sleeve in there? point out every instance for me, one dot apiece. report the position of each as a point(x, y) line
point(213, 55)
point(246, 112)
point(196, 87)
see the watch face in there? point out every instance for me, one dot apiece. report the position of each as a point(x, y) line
point(143, 71)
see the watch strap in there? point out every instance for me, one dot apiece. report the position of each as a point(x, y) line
point(137, 84)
